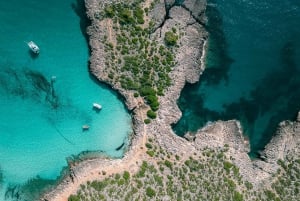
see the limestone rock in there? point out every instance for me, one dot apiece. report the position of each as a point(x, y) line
point(170, 3)
point(284, 144)
point(158, 14)
point(197, 9)
point(189, 136)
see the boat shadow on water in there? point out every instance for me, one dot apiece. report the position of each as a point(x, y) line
point(32, 54)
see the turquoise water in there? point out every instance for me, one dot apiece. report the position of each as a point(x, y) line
point(41, 119)
point(252, 69)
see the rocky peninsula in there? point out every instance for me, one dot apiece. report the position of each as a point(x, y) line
point(220, 146)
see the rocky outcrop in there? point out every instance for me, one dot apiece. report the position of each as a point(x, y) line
point(218, 134)
point(158, 14)
point(97, 31)
point(221, 134)
point(229, 134)
point(285, 144)
point(187, 69)
point(169, 3)
point(197, 9)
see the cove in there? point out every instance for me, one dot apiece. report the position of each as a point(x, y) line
point(46, 99)
point(252, 69)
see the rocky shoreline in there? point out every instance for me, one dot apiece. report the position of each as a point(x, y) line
point(190, 56)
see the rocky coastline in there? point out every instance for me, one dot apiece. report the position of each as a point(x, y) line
point(190, 56)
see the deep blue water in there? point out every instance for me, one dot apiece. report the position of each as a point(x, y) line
point(252, 69)
point(41, 119)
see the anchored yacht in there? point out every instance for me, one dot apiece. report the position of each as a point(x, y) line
point(97, 106)
point(34, 48)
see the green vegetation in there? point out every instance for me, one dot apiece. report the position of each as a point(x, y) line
point(109, 11)
point(136, 94)
point(171, 38)
point(209, 176)
point(287, 182)
point(147, 121)
point(150, 153)
point(133, 60)
point(151, 114)
point(149, 146)
point(126, 175)
point(168, 164)
point(74, 198)
point(150, 192)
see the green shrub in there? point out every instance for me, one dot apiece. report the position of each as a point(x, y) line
point(227, 166)
point(111, 75)
point(74, 198)
point(158, 179)
point(248, 185)
point(146, 10)
point(171, 38)
point(146, 90)
point(109, 11)
point(151, 114)
point(270, 195)
point(98, 185)
point(117, 176)
point(149, 146)
point(126, 16)
point(139, 184)
point(121, 182)
point(139, 14)
point(126, 175)
point(152, 100)
point(237, 196)
point(150, 153)
point(154, 105)
point(168, 164)
point(147, 121)
point(150, 192)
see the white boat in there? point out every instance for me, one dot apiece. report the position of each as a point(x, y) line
point(85, 127)
point(97, 106)
point(34, 48)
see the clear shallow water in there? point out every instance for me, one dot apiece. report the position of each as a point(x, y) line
point(252, 69)
point(41, 120)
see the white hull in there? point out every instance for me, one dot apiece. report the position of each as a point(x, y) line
point(97, 106)
point(34, 48)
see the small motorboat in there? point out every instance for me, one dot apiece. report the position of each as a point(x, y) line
point(34, 48)
point(97, 106)
point(85, 127)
